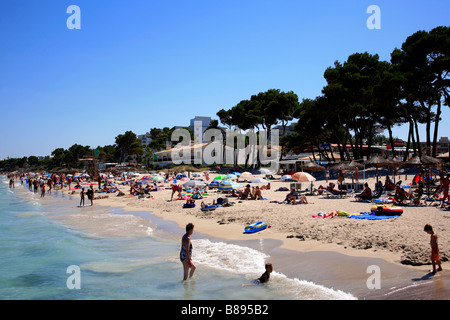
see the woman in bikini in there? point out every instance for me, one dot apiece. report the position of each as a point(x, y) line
point(186, 252)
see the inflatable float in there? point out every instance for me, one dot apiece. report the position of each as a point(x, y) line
point(209, 208)
point(384, 210)
point(255, 227)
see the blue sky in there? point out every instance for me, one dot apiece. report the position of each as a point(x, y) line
point(139, 64)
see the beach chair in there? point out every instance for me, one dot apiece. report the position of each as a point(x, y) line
point(309, 190)
point(331, 195)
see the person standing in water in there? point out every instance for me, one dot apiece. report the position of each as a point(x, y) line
point(186, 252)
point(82, 197)
point(435, 259)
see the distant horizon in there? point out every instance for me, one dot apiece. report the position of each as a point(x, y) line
point(158, 64)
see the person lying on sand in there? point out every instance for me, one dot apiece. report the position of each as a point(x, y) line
point(267, 187)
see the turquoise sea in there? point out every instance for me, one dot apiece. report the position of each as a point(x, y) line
point(122, 255)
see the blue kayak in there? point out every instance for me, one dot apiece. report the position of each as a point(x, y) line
point(255, 227)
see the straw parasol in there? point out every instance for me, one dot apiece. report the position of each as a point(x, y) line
point(312, 166)
point(378, 162)
point(431, 161)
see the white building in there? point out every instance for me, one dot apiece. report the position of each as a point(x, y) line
point(144, 139)
point(198, 126)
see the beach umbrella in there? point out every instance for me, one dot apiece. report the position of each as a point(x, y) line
point(258, 180)
point(246, 174)
point(196, 174)
point(214, 184)
point(230, 177)
point(378, 161)
point(264, 171)
point(414, 162)
point(228, 185)
point(156, 178)
point(219, 177)
point(312, 166)
point(286, 177)
point(194, 184)
point(431, 161)
point(303, 177)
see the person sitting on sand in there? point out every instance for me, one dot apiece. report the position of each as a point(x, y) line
point(258, 195)
point(400, 195)
point(366, 194)
point(291, 196)
point(389, 185)
point(243, 195)
point(301, 200)
point(234, 194)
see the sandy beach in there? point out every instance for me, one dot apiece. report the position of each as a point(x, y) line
point(399, 244)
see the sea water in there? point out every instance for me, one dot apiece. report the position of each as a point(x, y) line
point(122, 255)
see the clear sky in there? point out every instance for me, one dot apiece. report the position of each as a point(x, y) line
point(139, 64)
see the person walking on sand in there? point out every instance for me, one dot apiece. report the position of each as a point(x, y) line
point(186, 252)
point(435, 259)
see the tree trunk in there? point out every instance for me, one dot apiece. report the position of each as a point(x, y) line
point(436, 126)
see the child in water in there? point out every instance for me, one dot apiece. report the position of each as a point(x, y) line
point(264, 277)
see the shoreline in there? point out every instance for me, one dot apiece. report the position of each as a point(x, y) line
point(338, 270)
point(341, 266)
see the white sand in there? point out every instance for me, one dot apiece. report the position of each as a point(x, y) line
point(398, 240)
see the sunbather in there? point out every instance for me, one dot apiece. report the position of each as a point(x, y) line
point(243, 195)
point(301, 200)
point(335, 191)
point(366, 194)
point(291, 196)
point(400, 195)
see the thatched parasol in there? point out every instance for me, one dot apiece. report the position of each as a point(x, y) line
point(378, 161)
point(431, 161)
point(312, 166)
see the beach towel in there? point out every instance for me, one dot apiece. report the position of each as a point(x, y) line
point(369, 216)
